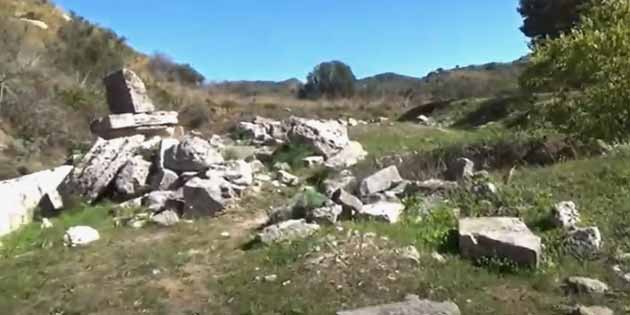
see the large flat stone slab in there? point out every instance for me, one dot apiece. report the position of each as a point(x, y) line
point(20, 196)
point(95, 172)
point(502, 237)
point(412, 305)
point(121, 121)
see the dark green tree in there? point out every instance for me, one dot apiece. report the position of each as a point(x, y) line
point(550, 18)
point(332, 79)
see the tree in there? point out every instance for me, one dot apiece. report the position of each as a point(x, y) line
point(590, 69)
point(550, 18)
point(332, 79)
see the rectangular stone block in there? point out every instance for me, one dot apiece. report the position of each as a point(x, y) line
point(126, 93)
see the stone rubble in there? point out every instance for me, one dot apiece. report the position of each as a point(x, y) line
point(412, 305)
point(80, 236)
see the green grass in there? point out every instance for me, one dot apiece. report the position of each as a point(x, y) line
point(191, 269)
point(408, 137)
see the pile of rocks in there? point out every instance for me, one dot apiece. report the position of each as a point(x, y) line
point(328, 139)
point(143, 159)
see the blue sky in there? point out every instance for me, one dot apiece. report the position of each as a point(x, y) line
point(280, 39)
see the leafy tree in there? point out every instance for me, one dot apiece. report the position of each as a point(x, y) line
point(332, 79)
point(590, 67)
point(550, 18)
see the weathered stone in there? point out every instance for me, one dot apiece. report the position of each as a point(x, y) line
point(380, 181)
point(257, 166)
point(239, 172)
point(584, 242)
point(411, 306)
point(191, 154)
point(164, 200)
point(582, 285)
point(592, 310)
point(239, 152)
point(342, 180)
point(80, 236)
point(288, 178)
point(313, 161)
point(98, 168)
point(324, 215)
point(163, 179)
point(507, 238)
point(111, 123)
point(132, 179)
point(410, 253)
point(485, 189)
point(165, 146)
point(281, 166)
point(349, 156)
point(165, 218)
point(20, 196)
point(324, 137)
point(131, 204)
point(51, 202)
point(349, 202)
point(565, 215)
point(287, 231)
point(263, 130)
point(381, 211)
point(203, 197)
point(459, 169)
point(424, 120)
point(126, 93)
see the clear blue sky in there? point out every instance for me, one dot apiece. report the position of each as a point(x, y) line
point(280, 39)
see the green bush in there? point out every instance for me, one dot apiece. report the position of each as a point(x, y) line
point(591, 70)
point(292, 154)
point(332, 79)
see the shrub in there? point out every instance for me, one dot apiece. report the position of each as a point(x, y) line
point(88, 50)
point(292, 154)
point(332, 79)
point(591, 69)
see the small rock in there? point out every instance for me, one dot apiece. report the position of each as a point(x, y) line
point(382, 211)
point(225, 235)
point(350, 203)
point(438, 257)
point(459, 169)
point(411, 306)
point(313, 161)
point(410, 253)
point(584, 242)
point(288, 179)
point(203, 197)
point(486, 189)
point(271, 278)
point(281, 166)
point(341, 180)
point(325, 215)
point(380, 181)
point(165, 218)
point(565, 215)
point(582, 285)
point(80, 236)
point(287, 231)
point(46, 224)
point(592, 310)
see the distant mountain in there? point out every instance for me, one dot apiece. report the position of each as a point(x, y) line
point(461, 82)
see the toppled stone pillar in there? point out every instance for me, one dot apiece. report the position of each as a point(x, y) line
point(126, 93)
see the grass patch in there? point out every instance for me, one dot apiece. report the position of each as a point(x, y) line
point(32, 237)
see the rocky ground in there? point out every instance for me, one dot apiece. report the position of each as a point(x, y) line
point(306, 216)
